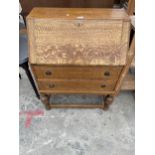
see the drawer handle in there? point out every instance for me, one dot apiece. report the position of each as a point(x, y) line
point(107, 73)
point(51, 85)
point(103, 86)
point(48, 73)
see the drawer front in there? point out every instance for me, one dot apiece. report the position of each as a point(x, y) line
point(76, 85)
point(47, 72)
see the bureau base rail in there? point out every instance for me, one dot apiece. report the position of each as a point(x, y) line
point(104, 105)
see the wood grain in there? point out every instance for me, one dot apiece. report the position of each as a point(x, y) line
point(73, 105)
point(78, 41)
point(73, 13)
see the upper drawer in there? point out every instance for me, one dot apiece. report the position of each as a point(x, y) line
point(78, 41)
point(64, 72)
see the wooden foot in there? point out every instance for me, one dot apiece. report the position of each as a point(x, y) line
point(45, 100)
point(107, 101)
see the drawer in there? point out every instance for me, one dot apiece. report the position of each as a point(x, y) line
point(70, 72)
point(76, 85)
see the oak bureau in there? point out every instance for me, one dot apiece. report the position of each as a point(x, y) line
point(78, 51)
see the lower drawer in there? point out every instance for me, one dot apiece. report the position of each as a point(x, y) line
point(76, 85)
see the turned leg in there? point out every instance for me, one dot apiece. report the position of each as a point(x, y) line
point(45, 99)
point(107, 101)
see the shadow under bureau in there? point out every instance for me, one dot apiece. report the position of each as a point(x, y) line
point(78, 51)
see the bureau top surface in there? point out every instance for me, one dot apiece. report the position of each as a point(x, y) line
point(68, 36)
point(78, 13)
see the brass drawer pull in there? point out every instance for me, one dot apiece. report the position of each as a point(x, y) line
point(51, 85)
point(48, 72)
point(107, 73)
point(103, 86)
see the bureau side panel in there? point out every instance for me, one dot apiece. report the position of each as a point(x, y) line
point(125, 39)
point(31, 40)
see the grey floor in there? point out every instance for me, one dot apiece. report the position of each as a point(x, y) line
point(73, 131)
